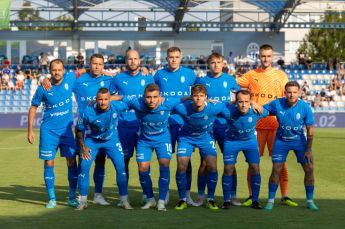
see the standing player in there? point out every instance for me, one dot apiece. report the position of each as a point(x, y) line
point(129, 83)
point(241, 136)
point(293, 115)
point(265, 84)
point(219, 87)
point(56, 129)
point(175, 81)
point(154, 135)
point(198, 116)
point(99, 124)
point(85, 90)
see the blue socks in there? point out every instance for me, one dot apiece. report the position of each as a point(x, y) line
point(227, 184)
point(255, 183)
point(234, 185)
point(164, 181)
point(272, 189)
point(309, 191)
point(49, 179)
point(146, 183)
point(73, 180)
point(181, 181)
point(189, 176)
point(98, 178)
point(202, 181)
point(212, 178)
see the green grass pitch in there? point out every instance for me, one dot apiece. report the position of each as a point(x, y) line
point(23, 196)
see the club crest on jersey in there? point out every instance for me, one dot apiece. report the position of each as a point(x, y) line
point(183, 79)
point(225, 84)
point(66, 86)
point(142, 82)
point(102, 83)
point(162, 112)
point(115, 115)
point(206, 117)
point(298, 116)
point(250, 119)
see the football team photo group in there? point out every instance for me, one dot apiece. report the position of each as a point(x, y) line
point(135, 118)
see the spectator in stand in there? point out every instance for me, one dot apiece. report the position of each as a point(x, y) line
point(306, 88)
point(301, 59)
point(331, 93)
point(80, 60)
point(201, 60)
point(341, 72)
point(199, 72)
point(240, 71)
point(309, 63)
point(43, 61)
point(50, 57)
point(317, 100)
point(20, 78)
point(281, 64)
point(5, 81)
point(323, 94)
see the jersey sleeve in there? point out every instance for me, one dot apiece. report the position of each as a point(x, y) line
point(112, 86)
point(38, 97)
point(243, 81)
point(81, 123)
point(309, 117)
point(265, 113)
point(218, 107)
point(271, 107)
point(193, 78)
point(234, 84)
point(225, 113)
point(120, 106)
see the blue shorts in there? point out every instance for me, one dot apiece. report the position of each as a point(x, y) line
point(219, 135)
point(281, 150)
point(186, 145)
point(232, 148)
point(101, 152)
point(51, 140)
point(111, 148)
point(144, 149)
point(129, 138)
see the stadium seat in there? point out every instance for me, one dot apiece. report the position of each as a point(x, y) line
point(340, 105)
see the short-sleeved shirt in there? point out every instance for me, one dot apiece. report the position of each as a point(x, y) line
point(241, 126)
point(198, 124)
point(153, 123)
point(219, 89)
point(86, 88)
point(292, 120)
point(126, 85)
point(101, 125)
point(57, 103)
point(264, 86)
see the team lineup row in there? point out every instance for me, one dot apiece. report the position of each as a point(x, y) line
point(111, 128)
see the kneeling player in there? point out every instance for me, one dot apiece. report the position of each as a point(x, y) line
point(99, 122)
point(293, 115)
point(241, 136)
point(198, 116)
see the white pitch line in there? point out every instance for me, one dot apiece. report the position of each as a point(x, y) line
point(13, 148)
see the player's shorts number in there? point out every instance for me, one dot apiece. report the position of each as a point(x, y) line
point(119, 146)
point(169, 148)
point(213, 144)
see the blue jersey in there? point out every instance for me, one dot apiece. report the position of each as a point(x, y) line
point(57, 103)
point(219, 89)
point(198, 124)
point(177, 83)
point(291, 119)
point(241, 126)
point(129, 86)
point(101, 125)
point(86, 87)
point(153, 123)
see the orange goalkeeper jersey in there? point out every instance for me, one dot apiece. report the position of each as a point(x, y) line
point(264, 86)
